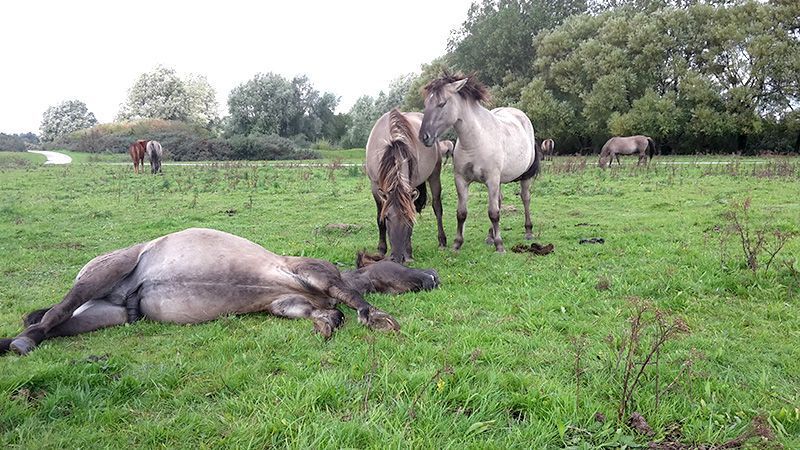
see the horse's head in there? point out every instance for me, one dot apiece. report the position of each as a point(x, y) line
point(382, 275)
point(444, 98)
point(397, 197)
point(398, 214)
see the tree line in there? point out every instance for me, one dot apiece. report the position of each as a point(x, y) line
point(697, 75)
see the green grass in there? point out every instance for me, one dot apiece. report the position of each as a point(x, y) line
point(485, 361)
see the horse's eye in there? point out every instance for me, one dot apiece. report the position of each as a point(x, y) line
point(441, 105)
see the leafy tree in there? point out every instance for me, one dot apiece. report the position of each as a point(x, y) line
point(366, 110)
point(362, 118)
point(496, 39)
point(162, 94)
point(64, 118)
point(412, 100)
point(271, 104)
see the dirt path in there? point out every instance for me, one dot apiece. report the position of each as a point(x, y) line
point(53, 157)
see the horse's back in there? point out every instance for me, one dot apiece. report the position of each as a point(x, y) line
point(627, 144)
point(154, 147)
point(380, 137)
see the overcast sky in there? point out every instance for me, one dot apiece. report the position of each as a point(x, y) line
point(93, 51)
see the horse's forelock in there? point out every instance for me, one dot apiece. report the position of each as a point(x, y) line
point(473, 89)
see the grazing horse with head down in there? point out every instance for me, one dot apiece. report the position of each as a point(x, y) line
point(493, 147)
point(198, 274)
point(155, 154)
point(398, 165)
point(643, 145)
point(548, 148)
point(137, 150)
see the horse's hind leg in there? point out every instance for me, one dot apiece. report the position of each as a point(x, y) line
point(96, 280)
point(525, 195)
point(296, 306)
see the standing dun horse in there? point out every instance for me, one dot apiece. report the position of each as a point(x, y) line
point(548, 148)
point(197, 275)
point(493, 147)
point(398, 165)
point(643, 145)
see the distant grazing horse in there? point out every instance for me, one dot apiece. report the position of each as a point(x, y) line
point(197, 275)
point(137, 151)
point(630, 145)
point(398, 165)
point(493, 147)
point(155, 154)
point(548, 148)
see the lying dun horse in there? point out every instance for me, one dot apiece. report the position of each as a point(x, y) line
point(197, 275)
point(154, 153)
point(629, 145)
point(398, 165)
point(493, 147)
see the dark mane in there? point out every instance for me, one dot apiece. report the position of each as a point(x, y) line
point(474, 89)
point(392, 179)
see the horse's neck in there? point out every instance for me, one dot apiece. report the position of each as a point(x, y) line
point(472, 125)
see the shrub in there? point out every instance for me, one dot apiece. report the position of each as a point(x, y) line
point(182, 142)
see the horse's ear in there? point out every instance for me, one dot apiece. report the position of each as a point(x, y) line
point(457, 85)
point(414, 195)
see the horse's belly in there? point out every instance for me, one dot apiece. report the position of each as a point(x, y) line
point(197, 301)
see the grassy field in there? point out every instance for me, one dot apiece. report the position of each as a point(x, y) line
point(486, 361)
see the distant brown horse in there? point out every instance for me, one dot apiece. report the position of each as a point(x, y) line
point(137, 151)
point(644, 146)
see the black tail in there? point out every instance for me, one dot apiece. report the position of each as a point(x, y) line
point(535, 168)
point(419, 203)
point(651, 147)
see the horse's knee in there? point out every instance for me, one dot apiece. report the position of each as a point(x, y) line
point(494, 215)
point(461, 215)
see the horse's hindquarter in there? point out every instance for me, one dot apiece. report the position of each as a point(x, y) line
point(516, 142)
point(198, 275)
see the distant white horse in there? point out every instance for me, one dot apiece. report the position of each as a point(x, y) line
point(155, 153)
point(493, 147)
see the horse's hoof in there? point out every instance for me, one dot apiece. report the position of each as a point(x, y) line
point(434, 282)
point(528, 236)
point(22, 346)
point(379, 320)
point(5, 345)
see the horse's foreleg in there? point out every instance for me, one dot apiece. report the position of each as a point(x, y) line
point(494, 213)
point(462, 189)
point(525, 195)
point(436, 189)
point(368, 315)
point(296, 306)
point(381, 227)
point(95, 281)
